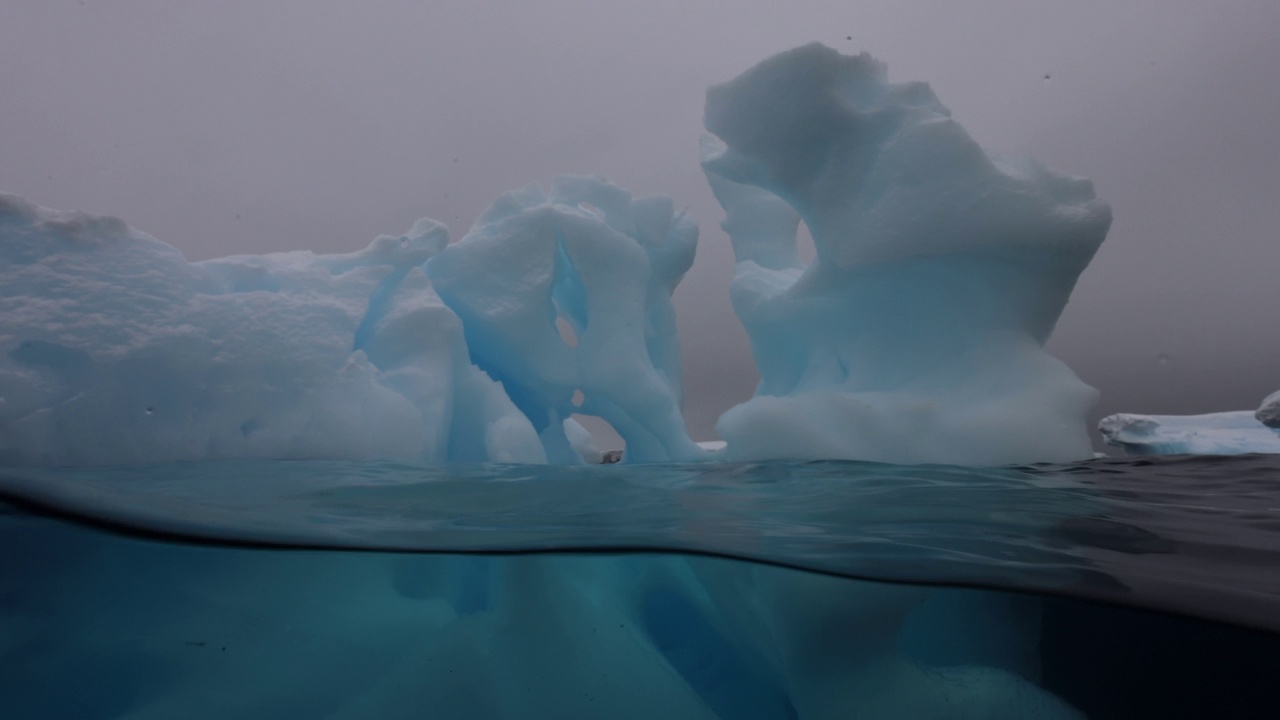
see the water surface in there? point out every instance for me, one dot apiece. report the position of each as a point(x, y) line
point(1194, 535)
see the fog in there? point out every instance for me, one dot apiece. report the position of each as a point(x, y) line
point(250, 127)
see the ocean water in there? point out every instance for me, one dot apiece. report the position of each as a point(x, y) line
point(1115, 588)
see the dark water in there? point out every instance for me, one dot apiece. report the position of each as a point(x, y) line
point(1106, 589)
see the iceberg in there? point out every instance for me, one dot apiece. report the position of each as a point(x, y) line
point(915, 336)
point(917, 333)
point(1226, 433)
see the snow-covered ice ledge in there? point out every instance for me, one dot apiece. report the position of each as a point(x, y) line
point(1225, 433)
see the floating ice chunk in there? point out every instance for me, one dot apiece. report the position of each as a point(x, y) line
point(1227, 433)
point(115, 349)
point(917, 333)
point(601, 265)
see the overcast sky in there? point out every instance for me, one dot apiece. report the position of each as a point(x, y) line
point(250, 126)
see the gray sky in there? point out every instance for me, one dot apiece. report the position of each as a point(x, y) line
point(242, 126)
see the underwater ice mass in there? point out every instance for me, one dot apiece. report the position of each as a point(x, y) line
point(915, 335)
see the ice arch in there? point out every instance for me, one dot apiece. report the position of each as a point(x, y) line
point(589, 256)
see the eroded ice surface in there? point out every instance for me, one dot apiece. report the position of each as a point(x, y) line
point(917, 333)
point(591, 257)
point(115, 349)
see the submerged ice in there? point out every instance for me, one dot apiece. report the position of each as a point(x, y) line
point(157, 631)
point(916, 335)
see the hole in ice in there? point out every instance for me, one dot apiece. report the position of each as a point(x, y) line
point(603, 436)
point(567, 335)
point(804, 244)
point(578, 398)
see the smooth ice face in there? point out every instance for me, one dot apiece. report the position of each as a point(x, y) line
point(115, 349)
point(1227, 433)
point(917, 333)
point(601, 265)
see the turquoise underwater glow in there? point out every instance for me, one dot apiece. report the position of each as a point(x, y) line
point(783, 590)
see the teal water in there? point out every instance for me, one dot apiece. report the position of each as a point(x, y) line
point(1112, 588)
